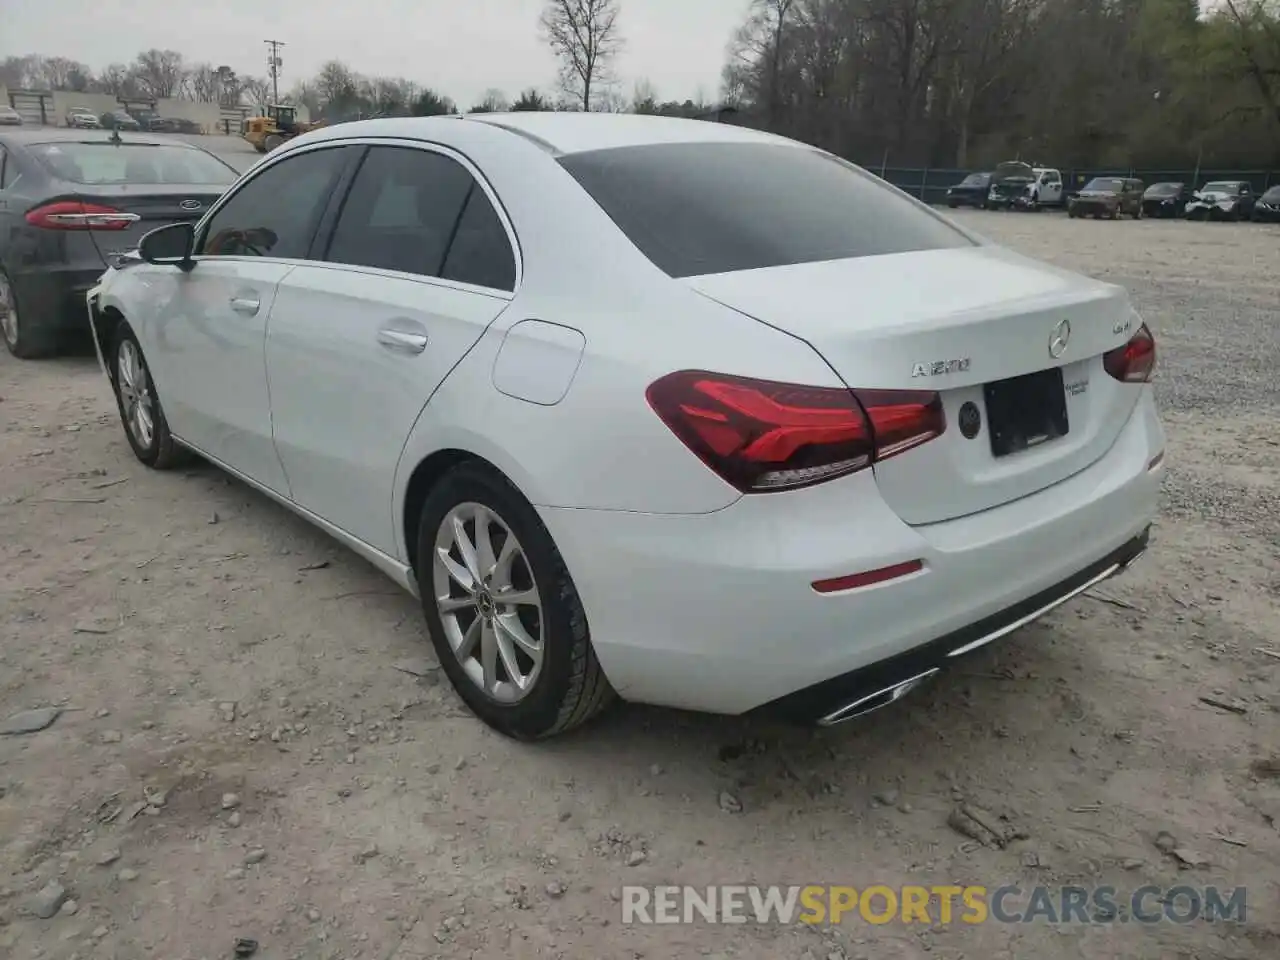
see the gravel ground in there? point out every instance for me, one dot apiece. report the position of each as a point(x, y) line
point(256, 743)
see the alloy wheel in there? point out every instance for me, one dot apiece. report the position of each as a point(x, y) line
point(8, 313)
point(488, 602)
point(135, 393)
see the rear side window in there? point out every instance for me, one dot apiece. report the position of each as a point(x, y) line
point(481, 253)
point(402, 212)
point(276, 213)
point(702, 208)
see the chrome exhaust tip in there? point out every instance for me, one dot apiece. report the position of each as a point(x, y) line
point(875, 701)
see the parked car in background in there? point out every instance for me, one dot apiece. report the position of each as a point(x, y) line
point(697, 477)
point(82, 118)
point(1109, 197)
point(70, 205)
point(9, 117)
point(187, 126)
point(1267, 209)
point(970, 192)
point(1166, 200)
point(1229, 200)
point(1020, 186)
point(118, 120)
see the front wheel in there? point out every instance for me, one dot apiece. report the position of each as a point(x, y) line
point(502, 610)
point(273, 140)
point(139, 405)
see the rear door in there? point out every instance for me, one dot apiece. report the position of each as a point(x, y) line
point(418, 264)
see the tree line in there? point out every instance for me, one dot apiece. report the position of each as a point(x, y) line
point(966, 83)
point(941, 83)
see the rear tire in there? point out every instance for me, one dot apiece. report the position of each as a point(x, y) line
point(140, 412)
point(545, 633)
point(273, 140)
point(22, 335)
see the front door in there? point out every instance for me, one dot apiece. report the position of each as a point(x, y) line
point(205, 339)
point(418, 266)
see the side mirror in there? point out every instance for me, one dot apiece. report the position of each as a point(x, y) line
point(169, 246)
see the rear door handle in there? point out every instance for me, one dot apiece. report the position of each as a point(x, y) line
point(402, 340)
point(246, 305)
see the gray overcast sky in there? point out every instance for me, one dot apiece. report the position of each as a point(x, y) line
point(460, 47)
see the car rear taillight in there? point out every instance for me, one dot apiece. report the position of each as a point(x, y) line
point(74, 215)
point(1135, 361)
point(759, 435)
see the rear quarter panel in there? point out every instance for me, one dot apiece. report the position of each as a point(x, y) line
point(600, 447)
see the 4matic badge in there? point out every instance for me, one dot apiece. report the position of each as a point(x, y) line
point(939, 367)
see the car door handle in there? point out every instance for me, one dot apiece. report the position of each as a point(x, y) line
point(402, 340)
point(245, 305)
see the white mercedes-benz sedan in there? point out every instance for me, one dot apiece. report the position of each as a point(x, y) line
point(667, 409)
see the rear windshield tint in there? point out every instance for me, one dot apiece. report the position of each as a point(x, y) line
point(130, 163)
point(702, 208)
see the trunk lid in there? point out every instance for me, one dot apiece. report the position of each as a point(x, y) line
point(956, 321)
point(155, 204)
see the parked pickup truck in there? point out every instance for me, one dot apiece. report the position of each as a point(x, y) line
point(1020, 186)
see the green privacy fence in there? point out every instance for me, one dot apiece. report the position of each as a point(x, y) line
point(930, 185)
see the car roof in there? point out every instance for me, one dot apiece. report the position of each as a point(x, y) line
point(564, 133)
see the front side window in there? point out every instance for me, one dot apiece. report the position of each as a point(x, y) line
point(704, 208)
point(276, 213)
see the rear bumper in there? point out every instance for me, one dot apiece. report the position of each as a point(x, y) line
point(716, 612)
point(859, 692)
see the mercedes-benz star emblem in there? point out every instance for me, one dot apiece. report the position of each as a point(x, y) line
point(1058, 339)
point(190, 204)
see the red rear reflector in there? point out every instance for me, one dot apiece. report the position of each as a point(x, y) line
point(1135, 361)
point(74, 215)
point(761, 435)
point(866, 579)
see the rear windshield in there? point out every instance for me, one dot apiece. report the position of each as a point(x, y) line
point(702, 208)
point(975, 180)
point(1105, 185)
point(129, 163)
point(1272, 195)
point(1164, 189)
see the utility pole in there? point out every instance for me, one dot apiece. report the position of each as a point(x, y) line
point(273, 64)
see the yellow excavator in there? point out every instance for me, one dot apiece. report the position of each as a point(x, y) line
point(278, 123)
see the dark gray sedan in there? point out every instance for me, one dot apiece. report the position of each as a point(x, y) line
point(71, 201)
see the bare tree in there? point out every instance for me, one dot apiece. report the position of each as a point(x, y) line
point(584, 36)
point(256, 90)
point(118, 80)
point(203, 83)
point(14, 72)
point(160, 73)
point(59, 73)
point(338, 86)
point(644, 97)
